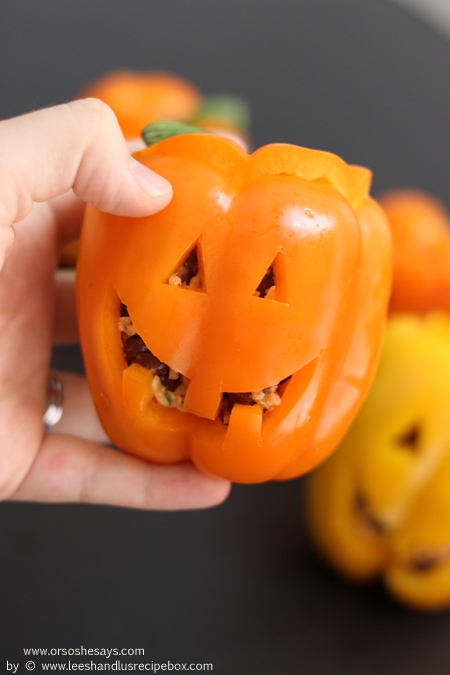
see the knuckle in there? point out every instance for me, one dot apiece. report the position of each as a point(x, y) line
point(95, 116)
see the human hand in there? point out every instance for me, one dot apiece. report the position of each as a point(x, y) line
point(51, 163)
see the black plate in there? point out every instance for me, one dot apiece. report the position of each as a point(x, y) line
point(236, 586)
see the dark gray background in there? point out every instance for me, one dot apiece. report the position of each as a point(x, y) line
point(237, 586)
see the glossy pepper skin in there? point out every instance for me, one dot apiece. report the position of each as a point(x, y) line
point(420, 226)
point(304, 213)
point(380, 506)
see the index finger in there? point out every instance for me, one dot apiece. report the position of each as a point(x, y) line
point(76, 145)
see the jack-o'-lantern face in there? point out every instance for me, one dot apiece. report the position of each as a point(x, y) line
point(217, 329)
point(241, 299)
point(381, 504)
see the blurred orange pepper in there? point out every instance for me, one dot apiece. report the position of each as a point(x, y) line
point(240, 327)
point(420, 226)
point(139, 98)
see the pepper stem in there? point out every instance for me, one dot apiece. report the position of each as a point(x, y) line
point(159, 131)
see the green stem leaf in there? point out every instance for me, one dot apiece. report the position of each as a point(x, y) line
point(228, 108)
point(159, 131)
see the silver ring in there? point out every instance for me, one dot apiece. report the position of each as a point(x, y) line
point(53, 402)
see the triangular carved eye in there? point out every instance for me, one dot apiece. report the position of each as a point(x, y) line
point(188, 273)
point(273, 284)
point(410, 439)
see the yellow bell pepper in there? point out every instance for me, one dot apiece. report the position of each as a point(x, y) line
point(380, 506)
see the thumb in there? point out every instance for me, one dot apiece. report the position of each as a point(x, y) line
point(79, 146)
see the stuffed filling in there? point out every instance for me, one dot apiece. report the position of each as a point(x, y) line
point(169, 387)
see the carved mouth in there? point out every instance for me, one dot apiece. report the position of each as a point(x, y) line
point(420, 560)
point(169, 386)
point(366, 517)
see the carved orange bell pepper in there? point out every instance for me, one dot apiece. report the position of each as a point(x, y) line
point(241, 326)
point(420, 226)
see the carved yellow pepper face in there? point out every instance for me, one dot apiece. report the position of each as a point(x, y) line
point(381, 504)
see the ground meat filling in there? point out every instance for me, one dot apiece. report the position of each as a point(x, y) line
point(188, 274)
point(267, 285)
point(268, 398)
point(169, 387)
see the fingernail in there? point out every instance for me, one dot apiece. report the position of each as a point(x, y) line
point(151, 182)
